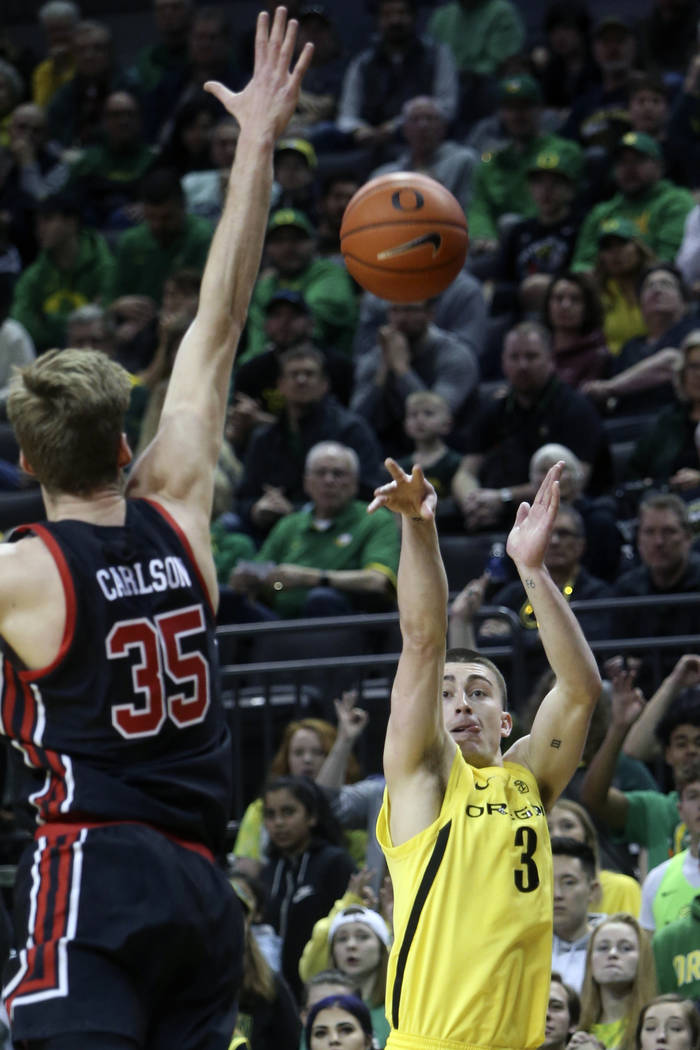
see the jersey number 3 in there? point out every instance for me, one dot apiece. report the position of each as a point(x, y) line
point(157, 645)
point(527, 878)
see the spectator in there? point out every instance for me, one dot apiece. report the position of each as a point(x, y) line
point(656, 206)
point(575, 888)
point(338, 1019)
point(290, 253)
point(430, 151)
point(308, 869)
point(59, 19)
point(619, 980)
point(168, 55)
point(572, 312)
point(564, 65)
point(676, 954)
point(39, 168)
point(650, 113)
point(336, 193)
point(107, 176)
point(168, 239)
point(330, 559)
point(320, 986)
point(273, 476)
point(74, 267)
point(688, 258)
point(411, 354)
point(670, 1014)
point(427, 422)
point(16, 346)
point(323, 81)
point(295, 185)
point(669, 888)
point(398, 66)
point(683, 122)
point(648, 818)
point(186, 141)
point(204, 190)
point(537, 408)
point(501, 185)
point(668, 36)
point(11, 94)
point(623, 259)
point(563, 1011)
point(641, 376)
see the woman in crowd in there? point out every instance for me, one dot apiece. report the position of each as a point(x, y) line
point(573, 314)
point(187, 146)
point(669, 1021)
point(308, 869)
point(340, 1021)
point(622, 259)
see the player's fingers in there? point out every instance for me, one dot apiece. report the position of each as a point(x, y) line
point(279, 23)
point(288, 44)
point(395, 470)
point(377, 502)
point(220, 91)
point(522, 513)
point(262, 33)
point(302, 64)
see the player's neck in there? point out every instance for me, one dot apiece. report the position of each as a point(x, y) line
point(107, 506)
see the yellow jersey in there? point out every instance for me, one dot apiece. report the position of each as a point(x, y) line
point(472, 949)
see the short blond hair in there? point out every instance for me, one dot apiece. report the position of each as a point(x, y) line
point(67, 409)
point(428, 399)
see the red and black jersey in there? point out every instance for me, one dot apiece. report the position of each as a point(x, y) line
point(126, 724)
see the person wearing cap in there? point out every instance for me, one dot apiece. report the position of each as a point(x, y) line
point(622, 259)
point(431, 152)
point(356, 940)
point(654, 204)
point(295, 184)
point(74, 267)
point(292, 263)
point(564, 64)
point(649, 109)
point(501, 179)
point(318, 101)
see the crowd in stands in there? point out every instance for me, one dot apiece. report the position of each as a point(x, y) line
point(572, 333)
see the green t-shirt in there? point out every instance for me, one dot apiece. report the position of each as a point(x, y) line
point(652, 821)
point(143, 263)
point(677, 954)
point(481, 38)
point(610, 1033)
point(228, 549)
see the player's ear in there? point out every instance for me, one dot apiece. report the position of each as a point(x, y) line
point(125, 453)
point(25, 464)
point(506, 723)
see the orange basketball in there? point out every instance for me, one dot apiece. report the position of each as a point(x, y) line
point(404, 237)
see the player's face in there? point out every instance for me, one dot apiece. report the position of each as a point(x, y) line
point(683, 746)
point(306, 754)
point(473, 713)
point(563, 822)
point(558, 1022)
point(615, 954)
point(287, 821)
point(689, 808)
point(573, 890)
point(335, 1027)
point(665, 1027)
point(356, 950)
point(664, 544)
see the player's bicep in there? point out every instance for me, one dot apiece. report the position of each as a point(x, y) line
point(415, 732)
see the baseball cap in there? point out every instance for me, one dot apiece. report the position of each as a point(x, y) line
point(290, 297)
point(611, 22)
point(625, 229)
point(564, 160)
point(641, 143)
point(358, 913)
point(298, 146)
point(315, 11)
point(519, 89)
point(290, 217)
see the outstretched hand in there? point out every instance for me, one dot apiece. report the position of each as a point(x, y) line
point(270, 98)
point(530, 535)
point(408, 494)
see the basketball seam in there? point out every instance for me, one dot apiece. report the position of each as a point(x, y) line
point(401, 272)
point(434, 223)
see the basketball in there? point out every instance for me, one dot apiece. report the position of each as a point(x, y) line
point(404, 237)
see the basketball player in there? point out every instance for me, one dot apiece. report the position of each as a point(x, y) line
point(128, 934)
point(463, 827)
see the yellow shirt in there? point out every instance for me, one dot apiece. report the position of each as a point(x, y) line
point(618, 893)
point(47, 79)
point(622, 320)
point(472, 946)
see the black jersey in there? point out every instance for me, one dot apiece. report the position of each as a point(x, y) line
point(126, 724)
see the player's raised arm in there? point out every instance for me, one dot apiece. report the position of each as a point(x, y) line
point(553, 748)
point(417, 749)
point(179, 464)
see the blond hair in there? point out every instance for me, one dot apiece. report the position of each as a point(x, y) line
point(67, 410)
point(427, 399)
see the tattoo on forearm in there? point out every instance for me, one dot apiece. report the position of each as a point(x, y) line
point(416, 517)
point(529, 582)
point(555, 743)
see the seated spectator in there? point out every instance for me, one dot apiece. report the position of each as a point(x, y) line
point(688, 258)
point(564, 65)
point(166, 57)
point(619, 980)
point(429, 150)
point(534, 249)
point(398, 66)
point(676, 957)
point(308, 868)
point(683, 122)
point(427, 422)
point(292, 262)
point(336, 1019)
point(648, 818)
point(74, 267)
point(483, 36)
point(572, 313)
point(501, 185)
point(320, 986)
point(668, 889)
point(649, 112)
point(667, 36)
point(59, 19)
point(38, 166)
point(411, 354)
point(617, 892)
point(337, 191)
point(668, 1013)
point(11, 94)
point(641, 376)
point(537, 408)
point(272, 483)
point(323, 81)
point(331, 559)
point(168, 239)
point(204, 190)
point(107, 176)
point(185, 144)
point(656, 206)
point(563, 1011)
point(295, 165)
point(16, 346)
point(623, 259)
point(575, 888)
point(667, 452)
point(75, 111)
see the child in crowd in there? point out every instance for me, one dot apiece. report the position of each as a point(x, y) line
point(427, 422)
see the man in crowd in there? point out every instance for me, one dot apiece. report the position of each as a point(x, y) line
point(563, 1012)
point(575, 888)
